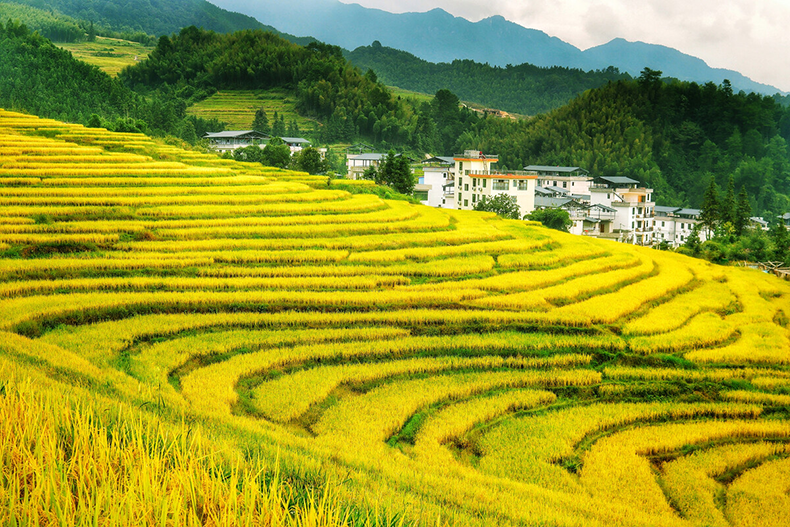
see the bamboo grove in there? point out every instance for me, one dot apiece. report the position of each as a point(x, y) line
point(207, 342)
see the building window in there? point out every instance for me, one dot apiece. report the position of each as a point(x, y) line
point(522, 185)
point(466, 172)
point(474, 182)
point(484, 183)
point(500, 184)
point(466, 203)
point(564, 184)
point(460, 167)
point(474, 198)
point(421, 181)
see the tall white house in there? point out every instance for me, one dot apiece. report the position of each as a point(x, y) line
point(476, 179)
point(436, 187)
point(633, 205)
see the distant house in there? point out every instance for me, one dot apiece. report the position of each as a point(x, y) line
point(674, 225)
point(296, 144)
point(357, 164)
point(230, 140)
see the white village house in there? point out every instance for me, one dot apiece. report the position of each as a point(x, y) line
point(230, 140)
point(436, 187)
point(476, 179)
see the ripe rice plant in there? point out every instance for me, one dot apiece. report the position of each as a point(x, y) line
point(690, 485)
point(713, 295)
point(702, 331)
point(760, 343)
point(757, 397)
point(290, 396)
point(759, 496)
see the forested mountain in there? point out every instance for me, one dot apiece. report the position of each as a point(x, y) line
point(438, 36)
point(326, 86)
point(674, 137)
point(50, 24)
point(524, 89)
point(40, 78)
point(153, 18)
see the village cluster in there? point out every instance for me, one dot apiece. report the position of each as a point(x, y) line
point(615, 207)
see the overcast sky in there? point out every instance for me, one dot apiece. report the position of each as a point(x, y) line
point(749, 36)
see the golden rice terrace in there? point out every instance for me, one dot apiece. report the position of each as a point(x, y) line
point(450, 366)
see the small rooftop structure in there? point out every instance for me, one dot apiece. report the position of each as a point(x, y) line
point(619, 181)
point(544, 170)
point(230, 140)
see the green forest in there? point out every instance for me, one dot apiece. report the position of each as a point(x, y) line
point(523, 89)
point(143, 19)
point(40, 78)
point(327, 87)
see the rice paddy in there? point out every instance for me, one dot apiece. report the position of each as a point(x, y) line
point(186, 328)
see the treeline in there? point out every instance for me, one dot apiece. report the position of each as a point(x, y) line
point(38, 77)
point(143, 18)
point(524, 89)
point(50, 24)
point(326, 85)
point(674, 137)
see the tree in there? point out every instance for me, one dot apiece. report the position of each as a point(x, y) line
point(557, 219)
point(371, 174)
point(276, 153)
point(261, 123)
point(250, 154)
point(278, 127)
point(693, 242)
point(743, 211)
point(501, 204)
point(781, 241)
point(309, 160)
point(293, 129)
point(396, 173)
point(728, 206)
point(709, 211)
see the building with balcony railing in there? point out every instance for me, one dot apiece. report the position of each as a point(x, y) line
point(574, 180)
point(230, 140)
point(476, 179)
point(633, 205)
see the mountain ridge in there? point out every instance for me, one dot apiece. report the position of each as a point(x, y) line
point(438, 36)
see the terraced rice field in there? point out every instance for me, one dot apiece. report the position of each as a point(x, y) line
point(111, 55)
point(237, 108)
point(449, 367)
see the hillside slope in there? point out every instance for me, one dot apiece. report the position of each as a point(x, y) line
point(440, 364)
point(523, 89)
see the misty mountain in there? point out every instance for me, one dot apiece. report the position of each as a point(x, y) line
point(437, 36)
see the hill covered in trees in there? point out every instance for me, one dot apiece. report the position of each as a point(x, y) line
point(38, 77)
point(141, 19)
point(326, 86)
point(672, 136)
point(524, 89)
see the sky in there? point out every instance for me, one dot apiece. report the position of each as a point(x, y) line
point(749, 36)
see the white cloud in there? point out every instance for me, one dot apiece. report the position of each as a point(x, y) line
point(749, 36)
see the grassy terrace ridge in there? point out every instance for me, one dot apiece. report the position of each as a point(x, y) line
point(111, 55)
point(209, 328)
point(237, 108)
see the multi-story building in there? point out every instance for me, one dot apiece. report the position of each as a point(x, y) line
point(573, 180)
point(475, 179)
point(436, 187)
point(633, 205)
point(674, 225)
